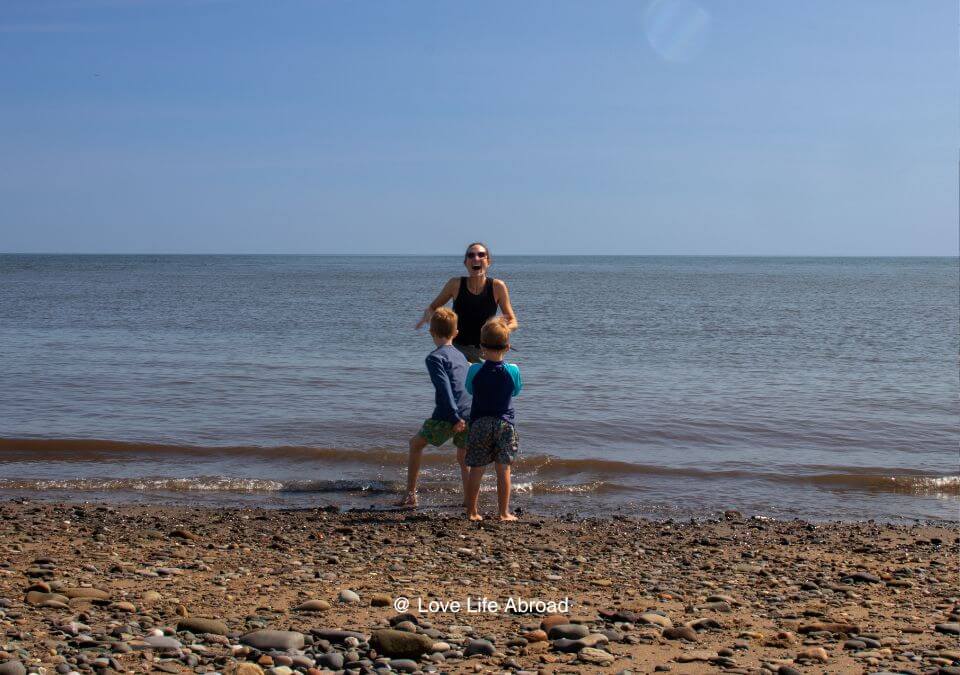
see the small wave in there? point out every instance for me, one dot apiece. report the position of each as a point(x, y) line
point(253, 485)
point(201, 484)
point(546, 473)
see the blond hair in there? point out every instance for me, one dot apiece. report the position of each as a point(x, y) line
point(495, 334)
point(443, 323)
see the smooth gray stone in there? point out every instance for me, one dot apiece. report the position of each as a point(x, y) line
point(281, 640)
point(332, 661)
point(567, 645)
point(349, 596)
point(199, 626)
point(400, 644)
point(484, 647)
point(304, 662)
point(570, 631)
point(162, 642)
point(12, 668)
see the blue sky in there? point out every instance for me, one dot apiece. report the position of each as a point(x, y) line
point(666, 127)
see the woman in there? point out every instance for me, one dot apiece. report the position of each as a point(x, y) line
point(476, 298)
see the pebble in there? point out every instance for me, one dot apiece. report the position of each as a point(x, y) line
point(835, 627)
point(40, 598)
point(400, 644)
point(814, 654)
point(404, 665)
point(571, 631)
point(595, 656)
point(948, 628)
point(537, 635)
point(567, 645)
point(162, 643)
point(312, 606)
point(697, 655)
point(281, 640)
point(12, 668)
point(199, 626)
point(331, 660)
point(86, 593)
point(681, 633)
point(863, 577)
point(594, 639)
point(484, 647)
point(349, 597)
point(656, 619)
point(248, 669)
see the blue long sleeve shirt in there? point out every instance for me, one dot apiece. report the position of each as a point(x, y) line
point(448, 372)
point(493, 385)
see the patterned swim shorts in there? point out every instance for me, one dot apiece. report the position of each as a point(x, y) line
point(492, 440)
point(438, 432)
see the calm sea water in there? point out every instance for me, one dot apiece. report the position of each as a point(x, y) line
point(669, 387)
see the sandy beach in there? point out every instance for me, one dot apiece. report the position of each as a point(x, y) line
point(103, 588)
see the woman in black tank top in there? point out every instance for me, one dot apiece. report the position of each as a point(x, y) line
point(476, 298)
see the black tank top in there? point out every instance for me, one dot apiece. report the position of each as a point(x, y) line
point(473, 311)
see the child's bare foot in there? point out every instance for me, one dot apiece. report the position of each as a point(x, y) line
point(474, 516)
point(409, 501)
point(507, 516)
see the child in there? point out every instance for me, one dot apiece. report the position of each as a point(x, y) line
point(493, 437)
point(448, 372)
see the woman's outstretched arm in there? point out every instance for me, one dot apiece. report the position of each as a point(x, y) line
point(448, 293)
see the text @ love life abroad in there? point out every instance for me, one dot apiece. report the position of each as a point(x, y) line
point(482, 605)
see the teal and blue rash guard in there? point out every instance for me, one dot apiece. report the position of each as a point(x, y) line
point(493, 385)
point(448, 372)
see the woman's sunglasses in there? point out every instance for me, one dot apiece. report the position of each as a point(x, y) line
point(477, 254)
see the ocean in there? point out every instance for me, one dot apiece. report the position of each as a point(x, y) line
point(665, 387)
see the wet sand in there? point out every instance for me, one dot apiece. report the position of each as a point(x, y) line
point(97, 588)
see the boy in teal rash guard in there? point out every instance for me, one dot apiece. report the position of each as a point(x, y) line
point(448, 370)
point(493, 437)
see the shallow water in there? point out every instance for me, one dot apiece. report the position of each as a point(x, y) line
point(811, 387)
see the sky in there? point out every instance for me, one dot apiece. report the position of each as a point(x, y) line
point(648, 127)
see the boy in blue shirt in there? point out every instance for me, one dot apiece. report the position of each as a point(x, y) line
point(448, 372)
point(493, 437)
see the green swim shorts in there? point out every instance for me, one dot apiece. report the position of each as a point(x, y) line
point(438, 432)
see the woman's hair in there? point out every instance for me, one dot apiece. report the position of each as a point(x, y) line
point(443, 323)
point(495, 334)
point(477, 243)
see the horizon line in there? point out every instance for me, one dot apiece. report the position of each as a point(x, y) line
point(499, 255)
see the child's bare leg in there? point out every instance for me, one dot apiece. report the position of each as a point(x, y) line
point(473, 492)
point(464, 471)
point(417, 444)
point(503, 491)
